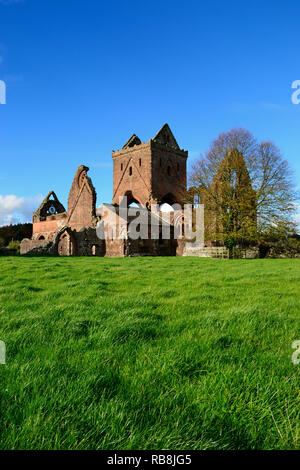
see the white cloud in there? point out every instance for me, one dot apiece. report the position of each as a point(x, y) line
point(15, 209)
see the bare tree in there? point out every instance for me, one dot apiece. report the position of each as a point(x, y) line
point(270, 177)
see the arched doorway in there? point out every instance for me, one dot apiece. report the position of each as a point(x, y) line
point(66, 244)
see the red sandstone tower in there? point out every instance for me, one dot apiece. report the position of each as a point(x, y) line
point(150, 173)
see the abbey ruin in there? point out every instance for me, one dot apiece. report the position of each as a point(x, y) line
point(147, 173)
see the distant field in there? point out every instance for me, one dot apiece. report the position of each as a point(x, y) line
point(149, 353)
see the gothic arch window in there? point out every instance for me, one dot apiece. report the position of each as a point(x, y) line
point(166, 207)
point(66, 243)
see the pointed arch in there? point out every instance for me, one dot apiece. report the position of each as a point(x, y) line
point(168, 198)
point(65, 242)
point(131, 199)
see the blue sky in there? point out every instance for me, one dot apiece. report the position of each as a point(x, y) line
point(83, 75)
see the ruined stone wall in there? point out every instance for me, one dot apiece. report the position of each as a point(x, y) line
point(115, 248)
point(82, 243)
point(83, 212)
point(238, 252)
point(81, 201)
point(197, 249)
point(48, 227)
point(88, 244)
point(251, 252)
point(36, 247)
point(180, 247)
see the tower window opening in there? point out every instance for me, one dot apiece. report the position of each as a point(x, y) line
point(140, 162)
point(169, 170)
point(130, 170)
point(121, 166)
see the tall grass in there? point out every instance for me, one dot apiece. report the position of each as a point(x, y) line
point(149, 353)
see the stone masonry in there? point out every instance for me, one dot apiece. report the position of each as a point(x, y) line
point(147, 173)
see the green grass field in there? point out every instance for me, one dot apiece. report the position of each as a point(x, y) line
point(149, 353)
